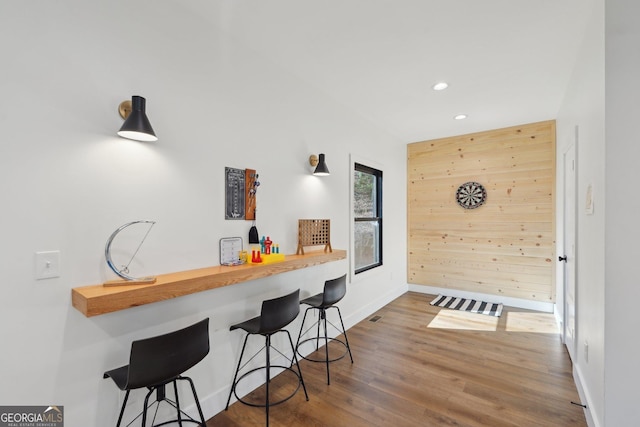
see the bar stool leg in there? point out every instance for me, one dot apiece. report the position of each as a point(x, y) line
point(301, 329)
point(146, 407)
point(344, 331)
point(323, 315)
point(175, 390)
point(295, 358)
point(318, 332)
point(268, 379)
point(195, 396)
point(124, 404)
point(235, 377)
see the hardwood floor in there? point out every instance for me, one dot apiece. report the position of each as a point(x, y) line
point(418, 365)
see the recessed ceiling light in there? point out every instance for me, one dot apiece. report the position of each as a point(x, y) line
point(440, 86)
point(460, 117)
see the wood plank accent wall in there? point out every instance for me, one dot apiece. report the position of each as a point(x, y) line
point(505, 247)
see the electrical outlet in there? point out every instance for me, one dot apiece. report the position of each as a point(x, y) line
point(47, 265)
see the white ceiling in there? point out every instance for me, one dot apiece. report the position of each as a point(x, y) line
point(507, 62)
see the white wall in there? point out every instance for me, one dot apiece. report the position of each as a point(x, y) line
point(622, 351)
point(583, 108)
point(605, 90)
point(68, 182)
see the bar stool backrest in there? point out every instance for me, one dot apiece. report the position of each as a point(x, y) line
point(334, 290)
point(279, 312)
point(158, 360)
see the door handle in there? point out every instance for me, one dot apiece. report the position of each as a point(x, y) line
point(562, 258)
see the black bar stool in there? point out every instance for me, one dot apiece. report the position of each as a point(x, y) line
point(275, 315)
point(156, 362)
point(334, 291)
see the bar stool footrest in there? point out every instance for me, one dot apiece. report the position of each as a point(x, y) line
point(323, 360)
point(262, 405)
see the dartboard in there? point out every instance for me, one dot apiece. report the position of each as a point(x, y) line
point(471, 195)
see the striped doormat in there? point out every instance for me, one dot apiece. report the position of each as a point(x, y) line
point(470, 305)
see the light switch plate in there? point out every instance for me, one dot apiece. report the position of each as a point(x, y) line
point(47, 264)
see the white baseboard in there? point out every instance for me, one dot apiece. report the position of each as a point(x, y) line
point(558, 317)
point(546, 307)
point(585, 399)
point(373, 306)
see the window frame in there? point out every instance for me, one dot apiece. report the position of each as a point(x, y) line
point(365, 166)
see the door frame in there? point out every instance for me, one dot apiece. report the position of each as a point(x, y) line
point(569, 248)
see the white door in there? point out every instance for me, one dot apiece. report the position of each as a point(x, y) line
point(567, 259)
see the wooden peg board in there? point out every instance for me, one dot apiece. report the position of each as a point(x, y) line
point(314, 232)
point(249, 195)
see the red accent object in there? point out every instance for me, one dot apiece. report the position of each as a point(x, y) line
point(267, 246)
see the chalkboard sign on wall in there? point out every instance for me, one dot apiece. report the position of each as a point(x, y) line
point(234, 193)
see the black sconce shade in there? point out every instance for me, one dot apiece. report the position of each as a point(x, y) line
point(321, 169)
point(136, 126)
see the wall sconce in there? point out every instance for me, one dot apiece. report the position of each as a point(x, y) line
point(320, 165)
point(136, 125)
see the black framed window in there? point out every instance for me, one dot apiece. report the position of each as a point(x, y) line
point(367, 214)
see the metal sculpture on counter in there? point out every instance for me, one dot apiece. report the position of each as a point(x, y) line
point(124, 271)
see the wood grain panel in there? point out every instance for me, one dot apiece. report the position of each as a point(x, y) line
point(505, 247)
point(97, 299)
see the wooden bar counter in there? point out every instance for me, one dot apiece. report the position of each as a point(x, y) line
point(97, 299)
